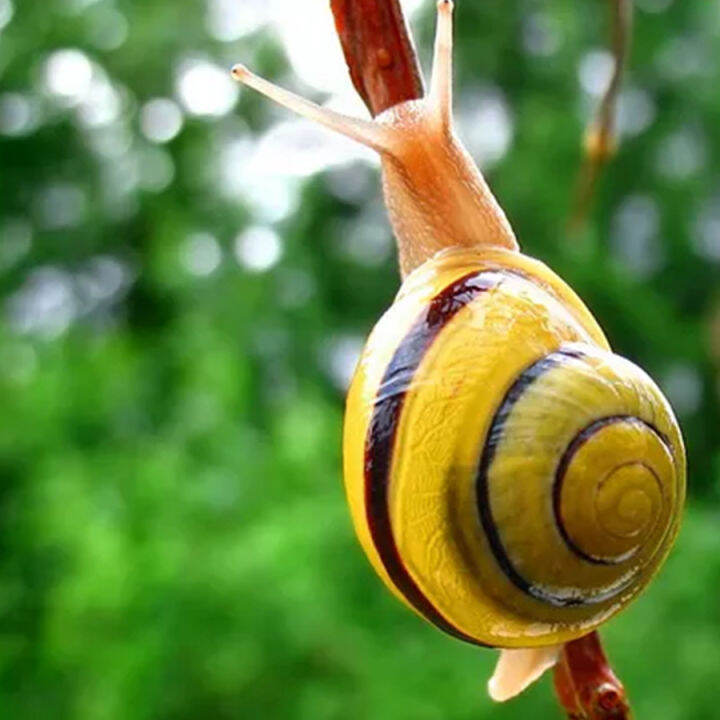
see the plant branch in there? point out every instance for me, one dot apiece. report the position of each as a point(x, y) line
point(601, 136)
point(585, 684)
point(379, 52)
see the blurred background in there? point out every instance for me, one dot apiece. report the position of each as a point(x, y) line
point(187, 274)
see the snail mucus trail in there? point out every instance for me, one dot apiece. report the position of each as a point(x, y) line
point(510, 479)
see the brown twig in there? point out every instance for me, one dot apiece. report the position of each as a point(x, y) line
point(379, 51)
point(601, 137)
point(385, 71)
point(585, 684)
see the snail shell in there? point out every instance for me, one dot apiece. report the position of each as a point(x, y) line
point(510, 479)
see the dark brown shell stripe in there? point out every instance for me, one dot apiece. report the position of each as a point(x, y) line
point(494, 437)
point(383, 427)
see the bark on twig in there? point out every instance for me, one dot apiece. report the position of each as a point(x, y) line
point(379, 51)
point(585, 684)
point(601, 136)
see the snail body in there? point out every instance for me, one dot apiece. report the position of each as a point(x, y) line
point(510, 479)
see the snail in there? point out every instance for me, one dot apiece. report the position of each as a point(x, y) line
point(510, 479)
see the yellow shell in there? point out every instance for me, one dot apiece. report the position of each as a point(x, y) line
point(510, 479)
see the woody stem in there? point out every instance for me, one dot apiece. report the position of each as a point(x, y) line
point(379, 52)
point(601, 136)
point(585, 684)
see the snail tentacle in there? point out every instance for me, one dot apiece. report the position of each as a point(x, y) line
point(363, 131)
point(517, 669)
point(440, 96)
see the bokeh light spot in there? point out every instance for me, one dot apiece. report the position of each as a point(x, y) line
point(258, 248)
point(19, 114)
point(6, 12)
point(635, 228)
point(68, 74)
point(595, 70)
point(161, 120)
point(206, 89)
point(61, 205)
point(681, 154)
point(15, 241)
point(654, 6)
point(706, 231)
point(683, 385)
point(45, 305)
point(487, 125)
point(157, 169)
point(200, 254)
point(341, 357)
point(108, 28)
point(228, 20)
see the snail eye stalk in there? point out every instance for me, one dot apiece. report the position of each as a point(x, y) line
point(363, 131)
point(382, 137)
point(441, 84)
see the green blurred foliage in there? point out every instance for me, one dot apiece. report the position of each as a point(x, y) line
point(174, 537)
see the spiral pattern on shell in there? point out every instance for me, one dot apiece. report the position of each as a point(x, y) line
point(510, 479)
point(595, 490)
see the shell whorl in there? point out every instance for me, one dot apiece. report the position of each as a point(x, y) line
point(510, 479)
point(575, 467)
